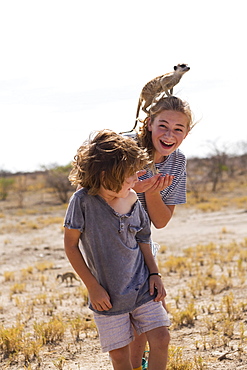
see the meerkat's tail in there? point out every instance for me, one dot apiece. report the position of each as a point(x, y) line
point(136, 121)
point(138, 111)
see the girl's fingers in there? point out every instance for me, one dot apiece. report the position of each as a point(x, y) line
point(141, 173)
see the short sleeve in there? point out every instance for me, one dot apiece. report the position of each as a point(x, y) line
point(176, 193)
point(74, 217)
point(144, 235)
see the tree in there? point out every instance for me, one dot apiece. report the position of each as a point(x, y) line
point(5, 184)
point(217, 165)
point(57, 178)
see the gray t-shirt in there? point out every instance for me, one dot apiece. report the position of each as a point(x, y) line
point(110, 243)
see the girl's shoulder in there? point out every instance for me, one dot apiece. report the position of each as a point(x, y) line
point(176, 160)
point(177, 157)
point(177, 154)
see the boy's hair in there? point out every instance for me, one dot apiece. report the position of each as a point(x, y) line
point(170, 103)
point(107, 159)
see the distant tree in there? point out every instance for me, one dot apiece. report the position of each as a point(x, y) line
point(217, 165)
point(21, 188)
point(196, 176)
point(242, 158)
point(57, 179)
point(5, 185)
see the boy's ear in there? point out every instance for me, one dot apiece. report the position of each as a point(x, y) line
point(149, 124)
point(102, 178)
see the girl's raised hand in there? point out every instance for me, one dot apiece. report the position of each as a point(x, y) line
point(143, 185)
point(162, 183)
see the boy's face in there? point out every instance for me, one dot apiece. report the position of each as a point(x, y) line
point(168, 129)
point(128, 184)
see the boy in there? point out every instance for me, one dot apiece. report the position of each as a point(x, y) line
point(120, 272)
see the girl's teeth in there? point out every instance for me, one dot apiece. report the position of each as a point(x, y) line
point(168, 144)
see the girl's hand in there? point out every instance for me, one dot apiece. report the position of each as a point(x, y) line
point(155, 283)
point(161, 183)
point(153, 184)
point(143, 185)
point(99, 298)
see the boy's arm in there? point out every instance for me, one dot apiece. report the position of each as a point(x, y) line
point(99, 298)
point(155, 281)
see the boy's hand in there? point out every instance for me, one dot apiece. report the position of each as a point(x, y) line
point(99, 298)
point(155, 283)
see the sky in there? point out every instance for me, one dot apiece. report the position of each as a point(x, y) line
point(68, 68)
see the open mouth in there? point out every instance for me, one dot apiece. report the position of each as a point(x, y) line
point(166, 145)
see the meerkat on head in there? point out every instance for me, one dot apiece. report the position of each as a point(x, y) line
point(161, 84)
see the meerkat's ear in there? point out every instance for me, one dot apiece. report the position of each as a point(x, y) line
point(175, 68)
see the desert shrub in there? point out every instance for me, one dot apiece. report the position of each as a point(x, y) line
point(10, 339)
point(5, 185)
point(50, 332)
point(57, 179)
point(176, 360)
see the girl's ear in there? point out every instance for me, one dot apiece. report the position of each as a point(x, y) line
point(149, 124)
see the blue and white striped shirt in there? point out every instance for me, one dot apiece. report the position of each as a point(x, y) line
point(174, 164)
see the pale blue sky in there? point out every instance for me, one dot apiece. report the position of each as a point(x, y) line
point(70, 67)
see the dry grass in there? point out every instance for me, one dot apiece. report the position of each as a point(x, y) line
point(47, 325)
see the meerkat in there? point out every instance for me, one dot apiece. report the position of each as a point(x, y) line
point(164, 83)
point(66, 276)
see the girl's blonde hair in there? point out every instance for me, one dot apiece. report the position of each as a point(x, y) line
point(170, 103)
point(107, 159)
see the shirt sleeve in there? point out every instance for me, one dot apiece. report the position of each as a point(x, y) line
point(177, 192)
point(74, 217)
point(144, 235)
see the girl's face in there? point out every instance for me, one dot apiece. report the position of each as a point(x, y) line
point(169, 129)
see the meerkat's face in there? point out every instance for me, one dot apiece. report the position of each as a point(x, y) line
point(182, 68)
point(169, 129)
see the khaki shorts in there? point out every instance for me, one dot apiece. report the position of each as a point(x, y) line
point(116, 331)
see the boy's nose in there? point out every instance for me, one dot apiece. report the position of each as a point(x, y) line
point(135, 178)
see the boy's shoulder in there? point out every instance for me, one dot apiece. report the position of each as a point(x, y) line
point(132, 197)
point(81, 193)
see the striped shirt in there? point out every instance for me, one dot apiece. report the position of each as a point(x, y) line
point(174, 164)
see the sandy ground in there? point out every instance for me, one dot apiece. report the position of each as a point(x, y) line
point(22, 246)
point(190, 227)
